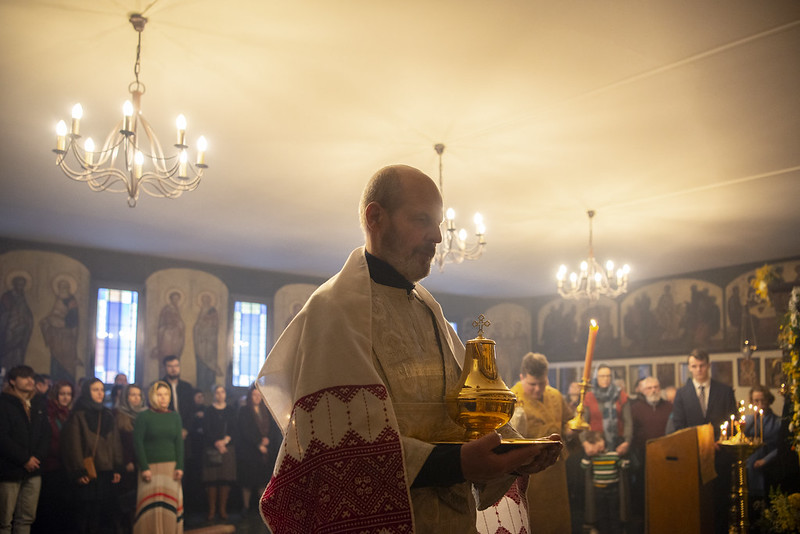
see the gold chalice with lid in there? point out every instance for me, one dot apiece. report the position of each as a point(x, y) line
point(482, 402)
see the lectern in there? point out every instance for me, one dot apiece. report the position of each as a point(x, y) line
point(679, 475)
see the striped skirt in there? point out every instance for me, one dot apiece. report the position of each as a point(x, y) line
point(159, 503)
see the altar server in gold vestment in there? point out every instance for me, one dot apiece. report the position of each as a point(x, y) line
point(544, 412)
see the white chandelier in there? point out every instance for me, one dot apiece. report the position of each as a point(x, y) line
point(593, 280)
point(454, 247)
point(119, 166)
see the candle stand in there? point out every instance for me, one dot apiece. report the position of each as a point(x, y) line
point(577, 423)
point(739, 520)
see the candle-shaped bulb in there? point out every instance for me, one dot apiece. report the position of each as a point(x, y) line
point(202, 146)
point(88, 151)
point(584, 266)
point(478, 220)
point(609, 266)
point(127, 116)
point(180, 124)
point(61, 131)
point(138, 161)
point(462, 235)
point(449, 217)
point(77, 114)
point(561, 275)
point(182, 164)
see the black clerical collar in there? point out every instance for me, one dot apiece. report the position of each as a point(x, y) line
point(386, 275)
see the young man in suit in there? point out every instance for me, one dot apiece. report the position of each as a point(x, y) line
point(705, 400)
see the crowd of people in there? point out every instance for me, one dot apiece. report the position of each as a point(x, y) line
point(76, 459)
point(601, 487)
point(358, 380)
point(360, 377)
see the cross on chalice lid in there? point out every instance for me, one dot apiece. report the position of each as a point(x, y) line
point(480, 323)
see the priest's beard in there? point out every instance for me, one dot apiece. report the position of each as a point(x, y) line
point(415, 264)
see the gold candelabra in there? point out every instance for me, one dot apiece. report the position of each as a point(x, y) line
point(741, 447)
point(739, 520)
point(577, 423)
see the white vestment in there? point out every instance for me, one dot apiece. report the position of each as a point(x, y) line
point(349, 455)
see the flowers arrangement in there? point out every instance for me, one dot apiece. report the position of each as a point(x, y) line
point(764, 276)
point(787, 339)
point(783, 513)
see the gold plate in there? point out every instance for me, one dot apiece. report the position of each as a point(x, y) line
point(508, 444)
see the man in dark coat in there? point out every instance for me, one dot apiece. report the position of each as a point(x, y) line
point(24, 443)
point(182, 399)
point(705, 400)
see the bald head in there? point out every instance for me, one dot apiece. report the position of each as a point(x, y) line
point(386, 187)
point(400, 212)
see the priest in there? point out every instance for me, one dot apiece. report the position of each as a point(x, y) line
point(357, 382)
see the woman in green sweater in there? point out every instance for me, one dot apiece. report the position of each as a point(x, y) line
point(158, 441)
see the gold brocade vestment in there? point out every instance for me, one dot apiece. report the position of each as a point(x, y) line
point(408, 355)
point(548, 498)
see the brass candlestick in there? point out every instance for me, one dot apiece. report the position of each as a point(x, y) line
point(577, 423)
point(482, 403)
point(739, 521)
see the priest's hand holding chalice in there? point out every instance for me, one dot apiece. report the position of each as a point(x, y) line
point(482, 404)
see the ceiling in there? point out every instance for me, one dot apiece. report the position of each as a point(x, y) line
point(678, 122)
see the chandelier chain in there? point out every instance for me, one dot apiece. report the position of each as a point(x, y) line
point(138, 66)
point(138, 22)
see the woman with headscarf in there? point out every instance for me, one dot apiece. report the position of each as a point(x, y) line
point(158, 441)
point(54, 511)
point(258, 444)
point(90, 431)
point(129, 405)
